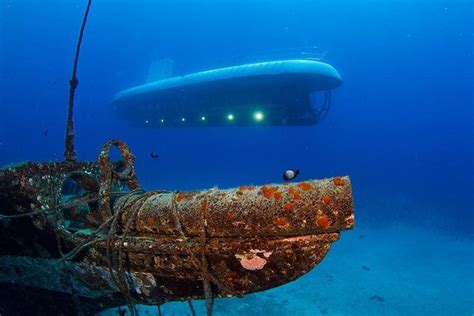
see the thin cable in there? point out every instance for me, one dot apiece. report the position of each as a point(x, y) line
point(70, 152)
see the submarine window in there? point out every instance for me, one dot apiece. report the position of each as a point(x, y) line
point(203, 118)
point(162, 120)
point(183, 119)
point(230, 117)
point(258, 116)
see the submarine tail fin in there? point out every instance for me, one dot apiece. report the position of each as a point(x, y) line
point(160, 69)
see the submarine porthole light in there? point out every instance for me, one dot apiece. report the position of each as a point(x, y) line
point(162, 120)
point(258, 116)
point(146, 121)
point(230, 117)
point(183, 119)
point(203, 118)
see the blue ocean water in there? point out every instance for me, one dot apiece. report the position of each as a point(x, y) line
point(401, 125)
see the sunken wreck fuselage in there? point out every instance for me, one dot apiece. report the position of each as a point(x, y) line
point(85, 232)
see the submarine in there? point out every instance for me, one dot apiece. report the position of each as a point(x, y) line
point(272, 93)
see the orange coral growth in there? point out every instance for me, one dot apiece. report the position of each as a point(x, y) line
point(248, 188)
point(281, 221)
point(326, 200)
point(288, 206)
point(304, 186)
point(323, 221)
point(239, 193)
point(268, 191)
point(297, 196)
point(277, 196)
point(338, 182)
point(291, 191)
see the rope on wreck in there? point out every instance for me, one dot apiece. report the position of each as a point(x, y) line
point(108, 173)
point(121, 283)
point(201, 264)
point(56, 209)
point(70, 152)
point(59, 247)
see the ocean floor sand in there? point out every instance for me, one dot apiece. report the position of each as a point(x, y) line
point(392, 270)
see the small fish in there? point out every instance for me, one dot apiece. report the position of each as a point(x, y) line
point(45, 132)
point(290, 174)
point(154, 155)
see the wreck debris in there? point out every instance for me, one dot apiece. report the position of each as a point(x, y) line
point(153, 247)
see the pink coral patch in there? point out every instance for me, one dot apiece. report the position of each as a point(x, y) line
point(251, 262)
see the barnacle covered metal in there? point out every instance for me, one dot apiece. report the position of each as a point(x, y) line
point(107, 246)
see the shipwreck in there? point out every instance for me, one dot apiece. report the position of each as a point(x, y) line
point(78, 237)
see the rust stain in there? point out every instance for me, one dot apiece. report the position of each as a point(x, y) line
point(184, 196)
point(232, 276)
point(151, 221)
point(229, 216)
point(179, 197)
point(203, 204)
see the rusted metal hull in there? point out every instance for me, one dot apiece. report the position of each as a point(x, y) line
point(161, 245)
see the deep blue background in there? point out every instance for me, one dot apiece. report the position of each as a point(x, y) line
point(401, 125)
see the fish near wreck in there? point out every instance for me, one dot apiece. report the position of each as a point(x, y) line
point(105, 247)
